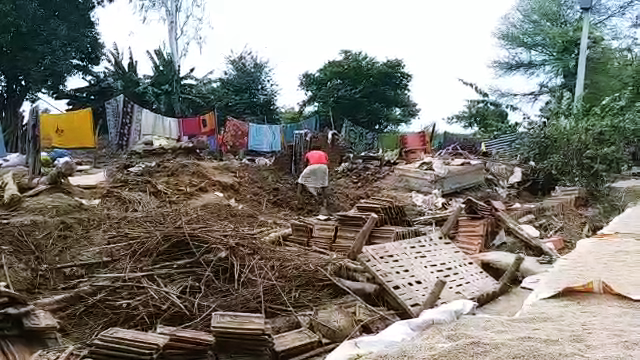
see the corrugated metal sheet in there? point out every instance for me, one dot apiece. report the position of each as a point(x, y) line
point(503, 145)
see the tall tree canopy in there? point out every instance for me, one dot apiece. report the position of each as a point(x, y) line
point(247, 89)
point(488, 117)
point(541, 39)
point(185, 21)
point(357, 87)
point(42, 43)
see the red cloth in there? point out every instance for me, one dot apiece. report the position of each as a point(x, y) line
point(236, 134)
point(317, 157)
point(190, 126)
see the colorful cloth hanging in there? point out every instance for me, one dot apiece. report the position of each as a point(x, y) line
point(158, 125)
point(71, 130)
point(310, 124)
point(265, 138)
point(236, 134)
point(360, 140)
point(124, 120)
point(113, 111)
point(190, 126)
point(207, 123)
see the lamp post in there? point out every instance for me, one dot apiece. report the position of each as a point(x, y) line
point(585, 5)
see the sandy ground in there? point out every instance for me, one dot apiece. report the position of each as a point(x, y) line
point(584, 326)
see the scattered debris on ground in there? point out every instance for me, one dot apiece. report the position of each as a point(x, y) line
point(165, 253)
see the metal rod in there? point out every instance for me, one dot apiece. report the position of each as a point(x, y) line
point(582, 61)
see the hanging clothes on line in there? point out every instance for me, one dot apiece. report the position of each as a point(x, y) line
point(389, 141)
point(360, 140)
point(113, 112)
point(71, 130)
point(310, 124)
point(158, 125)
point(265, 138)
point(3, 149)
point(124, 120)
point(236, 134)
point(190, 126)
point(208, 123)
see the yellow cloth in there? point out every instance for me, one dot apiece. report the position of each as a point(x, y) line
point(70, 130)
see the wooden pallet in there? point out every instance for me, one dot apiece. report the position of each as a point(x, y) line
point(408, 269)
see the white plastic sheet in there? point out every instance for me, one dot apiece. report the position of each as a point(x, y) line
point(402, 331)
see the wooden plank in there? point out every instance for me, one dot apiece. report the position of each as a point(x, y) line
point(362, 237)
point(451, 221)
point(296, 342)
point(514, 228)
point(434, 295)
point(130, 337)
point(238, 322)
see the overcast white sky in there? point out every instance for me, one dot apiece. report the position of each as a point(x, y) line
point(440, 41)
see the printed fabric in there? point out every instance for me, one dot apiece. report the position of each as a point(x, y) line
point(71, 130)
point(113, 112)
point(265, 138)
point(190, 126)
point(158, 125)
point(236, 134)
point(359, 139)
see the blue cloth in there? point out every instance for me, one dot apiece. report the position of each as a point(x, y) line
point(213, 142)
point(308, 124)
point(265, 138)
point(59, 154)
point(3, 149)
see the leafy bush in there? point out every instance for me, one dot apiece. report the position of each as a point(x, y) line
point(584, 146)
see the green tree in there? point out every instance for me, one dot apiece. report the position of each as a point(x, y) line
point(290, 115)
point(488, 117)
point(585, 146)
point(42, 43)
point(247, 90)
point(541, 40)
point(357, 87)
point(165, 91)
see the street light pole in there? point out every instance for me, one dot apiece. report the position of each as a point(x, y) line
point(585, 5)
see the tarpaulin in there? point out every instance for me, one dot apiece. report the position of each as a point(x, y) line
point(265, 138)
point(72, 130)
point(602, 264)
point(190, 126)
